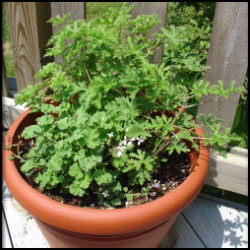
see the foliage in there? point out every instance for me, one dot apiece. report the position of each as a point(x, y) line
point(240, 125)
point(5, 27)
point(108, 130)
point(189, 30)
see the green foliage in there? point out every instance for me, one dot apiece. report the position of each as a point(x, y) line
point(107, 129)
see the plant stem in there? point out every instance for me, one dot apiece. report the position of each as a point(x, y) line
point(17, 156)
point(87, 72)
point(160, 148)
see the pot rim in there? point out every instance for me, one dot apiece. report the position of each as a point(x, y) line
point(102, 221)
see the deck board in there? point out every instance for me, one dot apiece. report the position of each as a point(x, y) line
point(187, 238)
point(218, 225)
point(205, 223)
point(22, 227)
point(6, 243)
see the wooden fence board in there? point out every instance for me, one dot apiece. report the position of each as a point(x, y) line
point(5, 89)
point(230, 173)
point(22, 18)
point(77, 10)
point(228, 58)
point(160, 10)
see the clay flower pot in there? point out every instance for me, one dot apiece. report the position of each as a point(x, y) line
point(69, 226)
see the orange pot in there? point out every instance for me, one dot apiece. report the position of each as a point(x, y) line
point(68, 226)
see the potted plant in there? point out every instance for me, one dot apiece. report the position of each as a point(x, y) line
point(106, 134)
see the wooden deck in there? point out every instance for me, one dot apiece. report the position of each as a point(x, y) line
point(207, 223)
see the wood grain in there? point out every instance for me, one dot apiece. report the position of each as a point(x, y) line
point(26, 43)
point(229, 173)
point(5, 89)
point(160, 10)
point(228, 58)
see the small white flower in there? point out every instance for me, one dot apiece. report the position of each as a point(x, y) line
point(105, 193)
point(124, 142)
point(120, 148)
point(126, 129)
point(110, 134)
point(140, 141)
point(119, 153)
point(129, 143)
point(132, 139)
point(156, 185)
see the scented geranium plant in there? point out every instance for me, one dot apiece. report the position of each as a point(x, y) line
point(109, 114)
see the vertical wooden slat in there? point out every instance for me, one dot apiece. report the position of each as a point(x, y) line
point(228, 58)
point(160, 10)
point(44, 29)
point(5, 89)
point(77, 10)
point(26, 43)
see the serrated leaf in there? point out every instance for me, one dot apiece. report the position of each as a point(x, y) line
point(129, 197)
point(28, 167)
point(75, 189)
point(75, 171)
point(86, 180)
point(102, 177)
point(31, 131)
point(63, 123)
point(116, 202)
point(45, 120)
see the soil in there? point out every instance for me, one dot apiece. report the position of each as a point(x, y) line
point(170, 175)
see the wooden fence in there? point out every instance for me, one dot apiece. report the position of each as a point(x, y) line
point(227, 56)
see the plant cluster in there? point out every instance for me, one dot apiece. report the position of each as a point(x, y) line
point(108, 129)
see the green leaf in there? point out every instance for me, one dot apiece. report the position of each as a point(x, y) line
point(102, 177)
point(116, 202)
point(31, 131)
point(75, 189)
point(129, 197)
point(75, 171)
point(86, 180)
point(57, 19)
point(28, 167)
point(63, 123)
point(45, 120)
point(56, 162)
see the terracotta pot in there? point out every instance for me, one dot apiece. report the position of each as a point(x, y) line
point(68, 226)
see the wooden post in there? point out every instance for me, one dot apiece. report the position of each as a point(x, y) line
point(77, 10)
point(228, 58)
point(27, 41)
point(160, 10)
